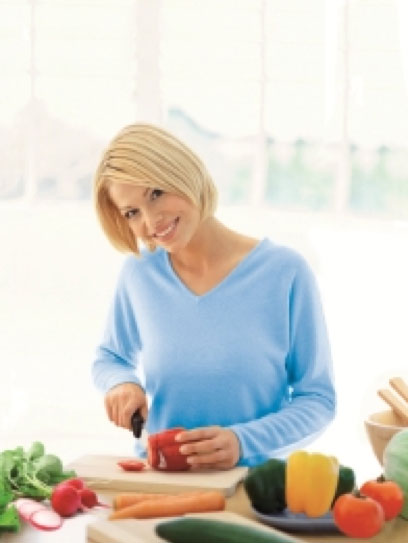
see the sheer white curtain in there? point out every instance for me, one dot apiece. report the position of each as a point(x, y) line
point(248, 72)
point(402, 14)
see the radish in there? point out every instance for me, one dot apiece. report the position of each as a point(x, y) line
point(20, 501)
point(37, 514)
point(89, 498)
point(45, 519)
point(27, 507)
point(75, 482)
point(65, 500)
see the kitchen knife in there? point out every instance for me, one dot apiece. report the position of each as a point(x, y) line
point(137, 422)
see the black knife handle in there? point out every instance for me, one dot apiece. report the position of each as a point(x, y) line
point(137, 422)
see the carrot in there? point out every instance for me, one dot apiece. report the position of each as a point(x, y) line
point(175, 505)
point(131, 498)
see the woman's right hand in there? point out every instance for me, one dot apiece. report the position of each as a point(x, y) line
point(122, 401)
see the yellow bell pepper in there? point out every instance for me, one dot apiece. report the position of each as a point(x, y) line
point(311, 482)
point(296, 481)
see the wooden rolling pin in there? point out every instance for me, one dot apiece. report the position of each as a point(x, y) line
point(399, 407)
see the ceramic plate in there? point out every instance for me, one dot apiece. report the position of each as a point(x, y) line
point(299, 522)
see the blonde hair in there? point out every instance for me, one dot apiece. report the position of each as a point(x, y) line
point(146, 155)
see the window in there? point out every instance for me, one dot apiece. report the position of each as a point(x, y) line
point(300, 110)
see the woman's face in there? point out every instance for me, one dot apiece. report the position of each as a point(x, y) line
point(165, 218)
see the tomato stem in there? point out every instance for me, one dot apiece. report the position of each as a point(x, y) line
point(357, 494)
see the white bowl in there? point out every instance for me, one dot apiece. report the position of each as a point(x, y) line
point(380, 428)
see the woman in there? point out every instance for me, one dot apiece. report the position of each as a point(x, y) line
point(228, 329)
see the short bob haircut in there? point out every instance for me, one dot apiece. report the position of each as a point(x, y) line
point(148, 156)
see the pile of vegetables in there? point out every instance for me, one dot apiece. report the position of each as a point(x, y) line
point(67, 498)
point(304, 483)
point(315, 484)
point(35, 488)
point(26, 474)
point(312, 484)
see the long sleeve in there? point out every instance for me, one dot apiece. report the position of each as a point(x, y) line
point(310, 402)
point(116, 355)
point(251, 354)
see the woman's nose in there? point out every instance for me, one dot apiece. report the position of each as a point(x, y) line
point(152, 220)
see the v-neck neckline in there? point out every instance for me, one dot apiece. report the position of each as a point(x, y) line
point(220, 283)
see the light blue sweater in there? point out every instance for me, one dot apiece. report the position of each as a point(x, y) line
point(251, 354)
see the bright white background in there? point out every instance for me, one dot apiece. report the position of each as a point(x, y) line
point(240, 69)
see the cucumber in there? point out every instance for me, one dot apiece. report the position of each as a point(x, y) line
point(197, 530)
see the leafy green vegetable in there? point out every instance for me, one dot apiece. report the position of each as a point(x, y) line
point(31, 474)
point(49, 469)
point(9, 520)
point(35, 451)
point(5, 497)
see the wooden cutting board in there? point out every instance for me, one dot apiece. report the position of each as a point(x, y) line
point(101, 471)
point(142, 531)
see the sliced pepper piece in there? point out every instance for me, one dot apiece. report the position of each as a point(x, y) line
point(131, 465)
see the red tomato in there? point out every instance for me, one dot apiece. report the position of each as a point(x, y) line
point(132, 465)
point(387, 493)
point(358, 516)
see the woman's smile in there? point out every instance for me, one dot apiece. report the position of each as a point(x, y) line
point(167, 233)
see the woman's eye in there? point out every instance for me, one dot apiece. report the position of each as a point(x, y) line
point(131, 213)
point(155, 194)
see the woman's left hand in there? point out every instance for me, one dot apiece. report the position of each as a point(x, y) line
point(210, 447)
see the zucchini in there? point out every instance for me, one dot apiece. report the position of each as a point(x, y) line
point(198, 530)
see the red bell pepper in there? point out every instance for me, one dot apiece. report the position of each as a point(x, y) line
point(163, 452)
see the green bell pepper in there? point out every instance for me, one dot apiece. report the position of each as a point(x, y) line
point(265, 486)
